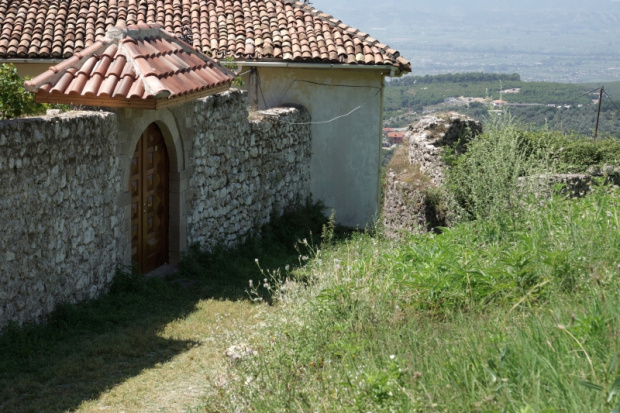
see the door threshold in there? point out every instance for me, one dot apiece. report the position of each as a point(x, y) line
point(163, 271)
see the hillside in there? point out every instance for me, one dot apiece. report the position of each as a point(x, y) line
point(561, 106)
point(514, 309)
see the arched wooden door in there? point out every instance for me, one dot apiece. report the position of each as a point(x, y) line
point(148, 187)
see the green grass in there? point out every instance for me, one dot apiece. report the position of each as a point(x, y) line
point(513, 311)
point(141, 347)
point(475, 319)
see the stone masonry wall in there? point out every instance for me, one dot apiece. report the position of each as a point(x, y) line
point(59, 223)
point(432, 134)
point(62, 225)
point(244, 170)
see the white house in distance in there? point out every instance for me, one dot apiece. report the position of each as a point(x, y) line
point(287, 52)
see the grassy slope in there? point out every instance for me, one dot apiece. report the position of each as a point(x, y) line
point(471, 320)
point(515, 311)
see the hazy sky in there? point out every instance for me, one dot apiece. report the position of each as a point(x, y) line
point(580, 36)
point(386, 6)
point(361, 12)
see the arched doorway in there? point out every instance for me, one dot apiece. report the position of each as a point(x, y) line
point(148, 188)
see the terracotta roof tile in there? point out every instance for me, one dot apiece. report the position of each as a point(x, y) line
point(243, 29)
point(140, 62)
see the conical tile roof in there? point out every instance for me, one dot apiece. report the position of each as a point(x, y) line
point(138, 66)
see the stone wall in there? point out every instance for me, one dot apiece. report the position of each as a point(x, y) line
point(64, 201)
point(242, 171)
point(59, 220)
point(571, 185)
point(428, 138)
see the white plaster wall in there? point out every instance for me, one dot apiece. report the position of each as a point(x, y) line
point(345, 166)
point(32, 69)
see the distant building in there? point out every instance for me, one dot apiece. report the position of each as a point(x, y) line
point(395, 137)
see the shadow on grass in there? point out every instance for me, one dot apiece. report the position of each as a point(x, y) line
point(85, 349)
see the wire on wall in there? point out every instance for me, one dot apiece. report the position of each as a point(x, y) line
point(260, 90)
point(337, 117)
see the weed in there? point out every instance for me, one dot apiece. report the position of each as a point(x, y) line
point(485, 180)
point(230, 63)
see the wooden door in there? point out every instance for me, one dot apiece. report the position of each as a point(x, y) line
point(148, 187)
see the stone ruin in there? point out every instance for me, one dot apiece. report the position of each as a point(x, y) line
point(414, 201)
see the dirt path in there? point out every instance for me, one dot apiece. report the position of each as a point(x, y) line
point(180, 383)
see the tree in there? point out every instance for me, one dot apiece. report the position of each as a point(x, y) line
point(14, 99)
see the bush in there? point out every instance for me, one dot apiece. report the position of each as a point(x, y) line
point(485, 180)
point(574, 153)
point(15, 101)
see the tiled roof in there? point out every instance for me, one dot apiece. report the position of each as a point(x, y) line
point(140, 66)
point(278, 30)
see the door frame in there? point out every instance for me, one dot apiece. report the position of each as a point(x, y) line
point(132, 123)
point(157, 209)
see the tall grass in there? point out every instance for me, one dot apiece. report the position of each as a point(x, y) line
point(514, 311)
point(463, 321)
point(485, 180)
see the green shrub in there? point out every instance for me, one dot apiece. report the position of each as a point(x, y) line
point(574, 153)
point(485, 180)
point(15, 101)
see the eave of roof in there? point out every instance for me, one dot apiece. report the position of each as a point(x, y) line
point(134, 103)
